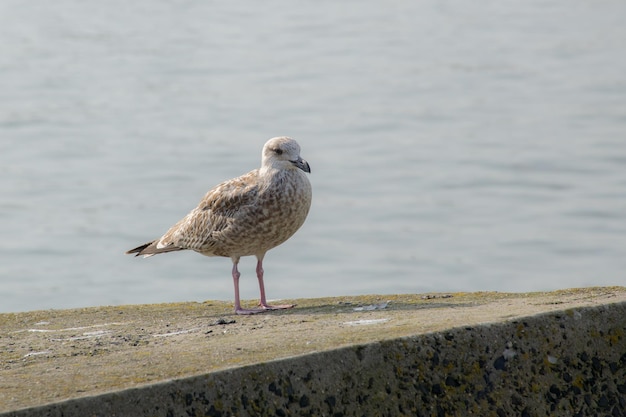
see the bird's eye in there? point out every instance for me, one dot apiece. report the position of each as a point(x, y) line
point(278, 151)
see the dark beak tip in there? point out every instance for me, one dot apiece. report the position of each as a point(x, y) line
point(302, 164)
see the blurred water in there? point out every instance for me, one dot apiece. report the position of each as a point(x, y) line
point(454, 146)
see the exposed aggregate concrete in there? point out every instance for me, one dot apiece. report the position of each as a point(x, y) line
point(567, 361)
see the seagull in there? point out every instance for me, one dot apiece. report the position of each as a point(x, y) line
point(246, 216)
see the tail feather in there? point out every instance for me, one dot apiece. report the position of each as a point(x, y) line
point(139, 249)
point(150, 248)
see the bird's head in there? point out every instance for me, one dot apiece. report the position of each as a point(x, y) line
point(283, 153)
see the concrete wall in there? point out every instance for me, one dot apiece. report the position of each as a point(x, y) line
point(570, 363)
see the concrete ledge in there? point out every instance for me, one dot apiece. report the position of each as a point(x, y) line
point(464, 354)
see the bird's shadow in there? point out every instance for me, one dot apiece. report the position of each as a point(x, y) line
point(346, 308)
point(349, 308)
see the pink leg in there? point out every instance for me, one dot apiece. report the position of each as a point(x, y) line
point(236, 276)
point(264, 305)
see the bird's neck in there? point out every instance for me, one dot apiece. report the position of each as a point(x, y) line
point(271, 176)
point(269, 171)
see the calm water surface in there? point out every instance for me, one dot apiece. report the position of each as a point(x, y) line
point(454, 147)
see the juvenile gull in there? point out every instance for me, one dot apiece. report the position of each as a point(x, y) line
point(247, 215)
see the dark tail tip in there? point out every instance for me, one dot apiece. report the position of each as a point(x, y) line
point(138, 249)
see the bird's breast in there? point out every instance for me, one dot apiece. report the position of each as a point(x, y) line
point(280, 210)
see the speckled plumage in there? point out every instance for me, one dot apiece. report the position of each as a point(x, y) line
point(247, 215)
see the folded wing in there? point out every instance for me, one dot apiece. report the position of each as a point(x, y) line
point(206, 227)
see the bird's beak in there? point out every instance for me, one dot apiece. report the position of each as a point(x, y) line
point(302, 164)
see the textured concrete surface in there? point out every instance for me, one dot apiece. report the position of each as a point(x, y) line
point(483, 356)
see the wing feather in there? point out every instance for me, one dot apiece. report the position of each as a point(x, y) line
point(207, 225)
